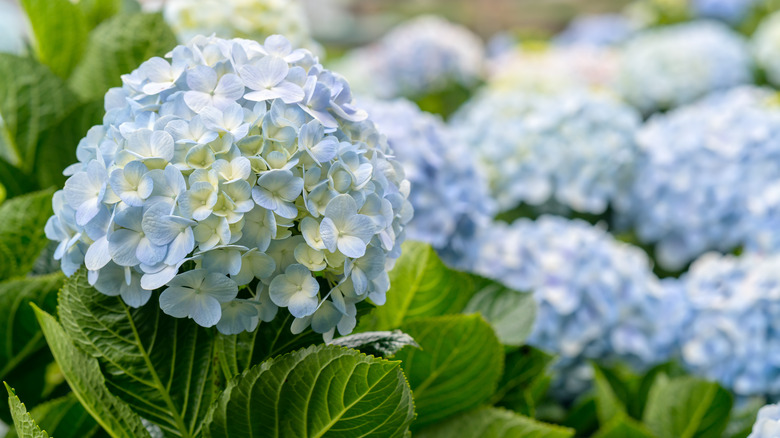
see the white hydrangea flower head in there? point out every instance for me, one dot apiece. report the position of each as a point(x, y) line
point(767, 424)
point(239, 178)
point(766, 47)
point(734, 335)
point(662, 68)
point(575, 149)
point(706, 178)
point(424, 55)
point(449, 192)
point(597, 298)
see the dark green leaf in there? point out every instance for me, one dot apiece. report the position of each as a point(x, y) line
point(457, 368)
point(23, 422)
point(63, 418)
point(319, 391)
point(511, 313)
point(622, 426)
point(611, 395)
point(489, 422)
point(21, 229)
point(15, 182)
point(379, 344)
point(60, 31)
point(582, 417)
point(522, 368)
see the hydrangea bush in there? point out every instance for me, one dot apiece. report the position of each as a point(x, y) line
point(239, 178)
point(576, 149)
point(669, 66)
point(766, 47)
point(705, 175)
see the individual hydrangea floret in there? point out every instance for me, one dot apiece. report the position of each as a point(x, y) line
point(239, 178)
point(766, 47)
point(767, 424)
point(449, 193)
point(597, 30)
point(663, 68)
point(734, 336)
point(704, 175)
point(424, 55)
point(597, 298)
point(575, 149)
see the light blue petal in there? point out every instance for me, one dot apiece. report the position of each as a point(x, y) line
point(177, 301)
point(329, 234)
point(351, 246)
point(122, 245)
point(206, 311)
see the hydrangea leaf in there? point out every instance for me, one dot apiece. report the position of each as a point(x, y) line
point(524, 374)
point(97, 11)
point(611, 395)
point(488, 422)
point(378, 344)
point(117, 46)
point(85, 378)
point(623, 426)
point(14, 180)
point(420, 286)
point(63, 418)
point(316, 391)
point(169, 384)
point(60, 31)
point(32, 98)
point(743, 418)
point(23, 422)
point(686, 407)
point(511, 313)
point(456, 369)
point(21, 230)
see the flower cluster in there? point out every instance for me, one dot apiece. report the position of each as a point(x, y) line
point(424, 55)
point(239, 177)
point(734, 333)
point(766, 47)
point(576, 149)
point(449, 194)
point(701, 174)
point(597, 298)
point(730, 11)
point(252, 19)
point(666, 67)
point(597, 30)
point(767, 424)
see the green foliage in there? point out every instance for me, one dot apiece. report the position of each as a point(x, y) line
point(117, 46)
point(23, 421)
point(621, 426)
point(456, 369)
point(313, 392)
point(743, 417)
point(489, 422)
point(60, 31)
point(379, 344)
point(97, 11)
point(420, 286)
point(21, 231)
point(63, 418)
point(523, 379)
point(511, 313)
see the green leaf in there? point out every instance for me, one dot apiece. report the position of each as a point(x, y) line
point(32, 99)
point(457, 368)
point(522, 369)
point(420, 286)
point(60, 31)
point(23, 421)
point(97, 11)
point(687, 407)
point(159, 365)
point(582, 417)
point(118, 46)
point(511, 313)
point(21, 230)
point(611, 395)
point(319, 391)
point(88, 384)
point(490, 422)
point(379, 344)
point(621, 426)
point(63, 418)
point(14, 180)
point(743, 418)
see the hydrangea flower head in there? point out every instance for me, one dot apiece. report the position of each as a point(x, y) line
point(767, 424)
point(701, 175)
point(575, 149)
point(449, 193)
point(730, 11)
point(666, 67)
point(766, 47)
point(239, 178)
point(597, 30)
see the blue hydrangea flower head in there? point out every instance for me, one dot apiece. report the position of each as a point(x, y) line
point(666, 67)
point(239, 178)
point(730, 11)
point(576, 149)
point(449, 193)
point(705, 176)
point(767, 424)
point(766, 47)
point(597, 30)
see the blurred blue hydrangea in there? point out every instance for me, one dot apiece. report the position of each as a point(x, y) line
point(235, 166)
point(665, 67)
point(767, 424)
point(704, 177)
point(424, 55)
point(597, 298)
point(734, 333)
point(576, 149)
point(597, 30)
point(14, 28)
point(449, 194)
point(730, 11)
point(766, 47)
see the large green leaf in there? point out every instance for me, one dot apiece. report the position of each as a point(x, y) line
point(23, 422)
point(457, 368)
point(490, 422)
point(319, 391)
point(379, 344)
point(622, 426)
point(611, 395)
point(85, 378)
point(97, 11)
point(420, 286)
point(159, 365)
point(32, 99)
point(524, 369)
point(21, 229)
point(118, 46)
point(60, 31)
point(511, 313)
point(63, 418)
point(14, 180)
point(687, 407)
